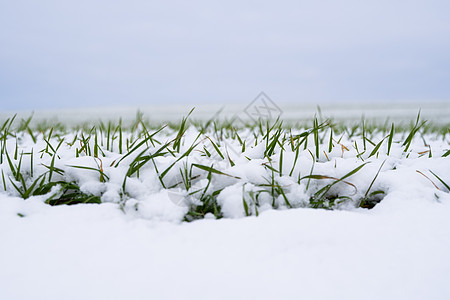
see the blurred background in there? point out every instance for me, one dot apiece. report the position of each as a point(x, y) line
point(121, 55)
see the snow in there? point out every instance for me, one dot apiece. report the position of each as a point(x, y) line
point(394, 251)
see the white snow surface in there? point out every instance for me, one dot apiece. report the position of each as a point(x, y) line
point(394, 251)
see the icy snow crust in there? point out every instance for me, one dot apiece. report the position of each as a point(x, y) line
point(133, 246)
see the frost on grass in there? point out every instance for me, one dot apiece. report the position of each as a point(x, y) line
point(190, 170)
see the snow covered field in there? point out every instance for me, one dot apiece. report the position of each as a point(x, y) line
point(439, 112)
point(316, 210)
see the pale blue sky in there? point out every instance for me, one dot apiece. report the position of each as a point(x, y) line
point(87, 53)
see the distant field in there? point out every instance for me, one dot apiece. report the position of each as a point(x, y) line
point(437, 112)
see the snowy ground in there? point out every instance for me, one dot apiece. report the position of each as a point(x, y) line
point(139, 248)
point(436, 111)
point(395, 251)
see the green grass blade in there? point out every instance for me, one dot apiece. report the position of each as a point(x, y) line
point(442, 181)
point(376, 175)
point(212, 170)
point(391, 136)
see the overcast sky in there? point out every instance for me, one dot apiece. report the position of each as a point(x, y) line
point(57, 54)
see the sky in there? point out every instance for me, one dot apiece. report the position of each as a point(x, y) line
point(96, 53)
